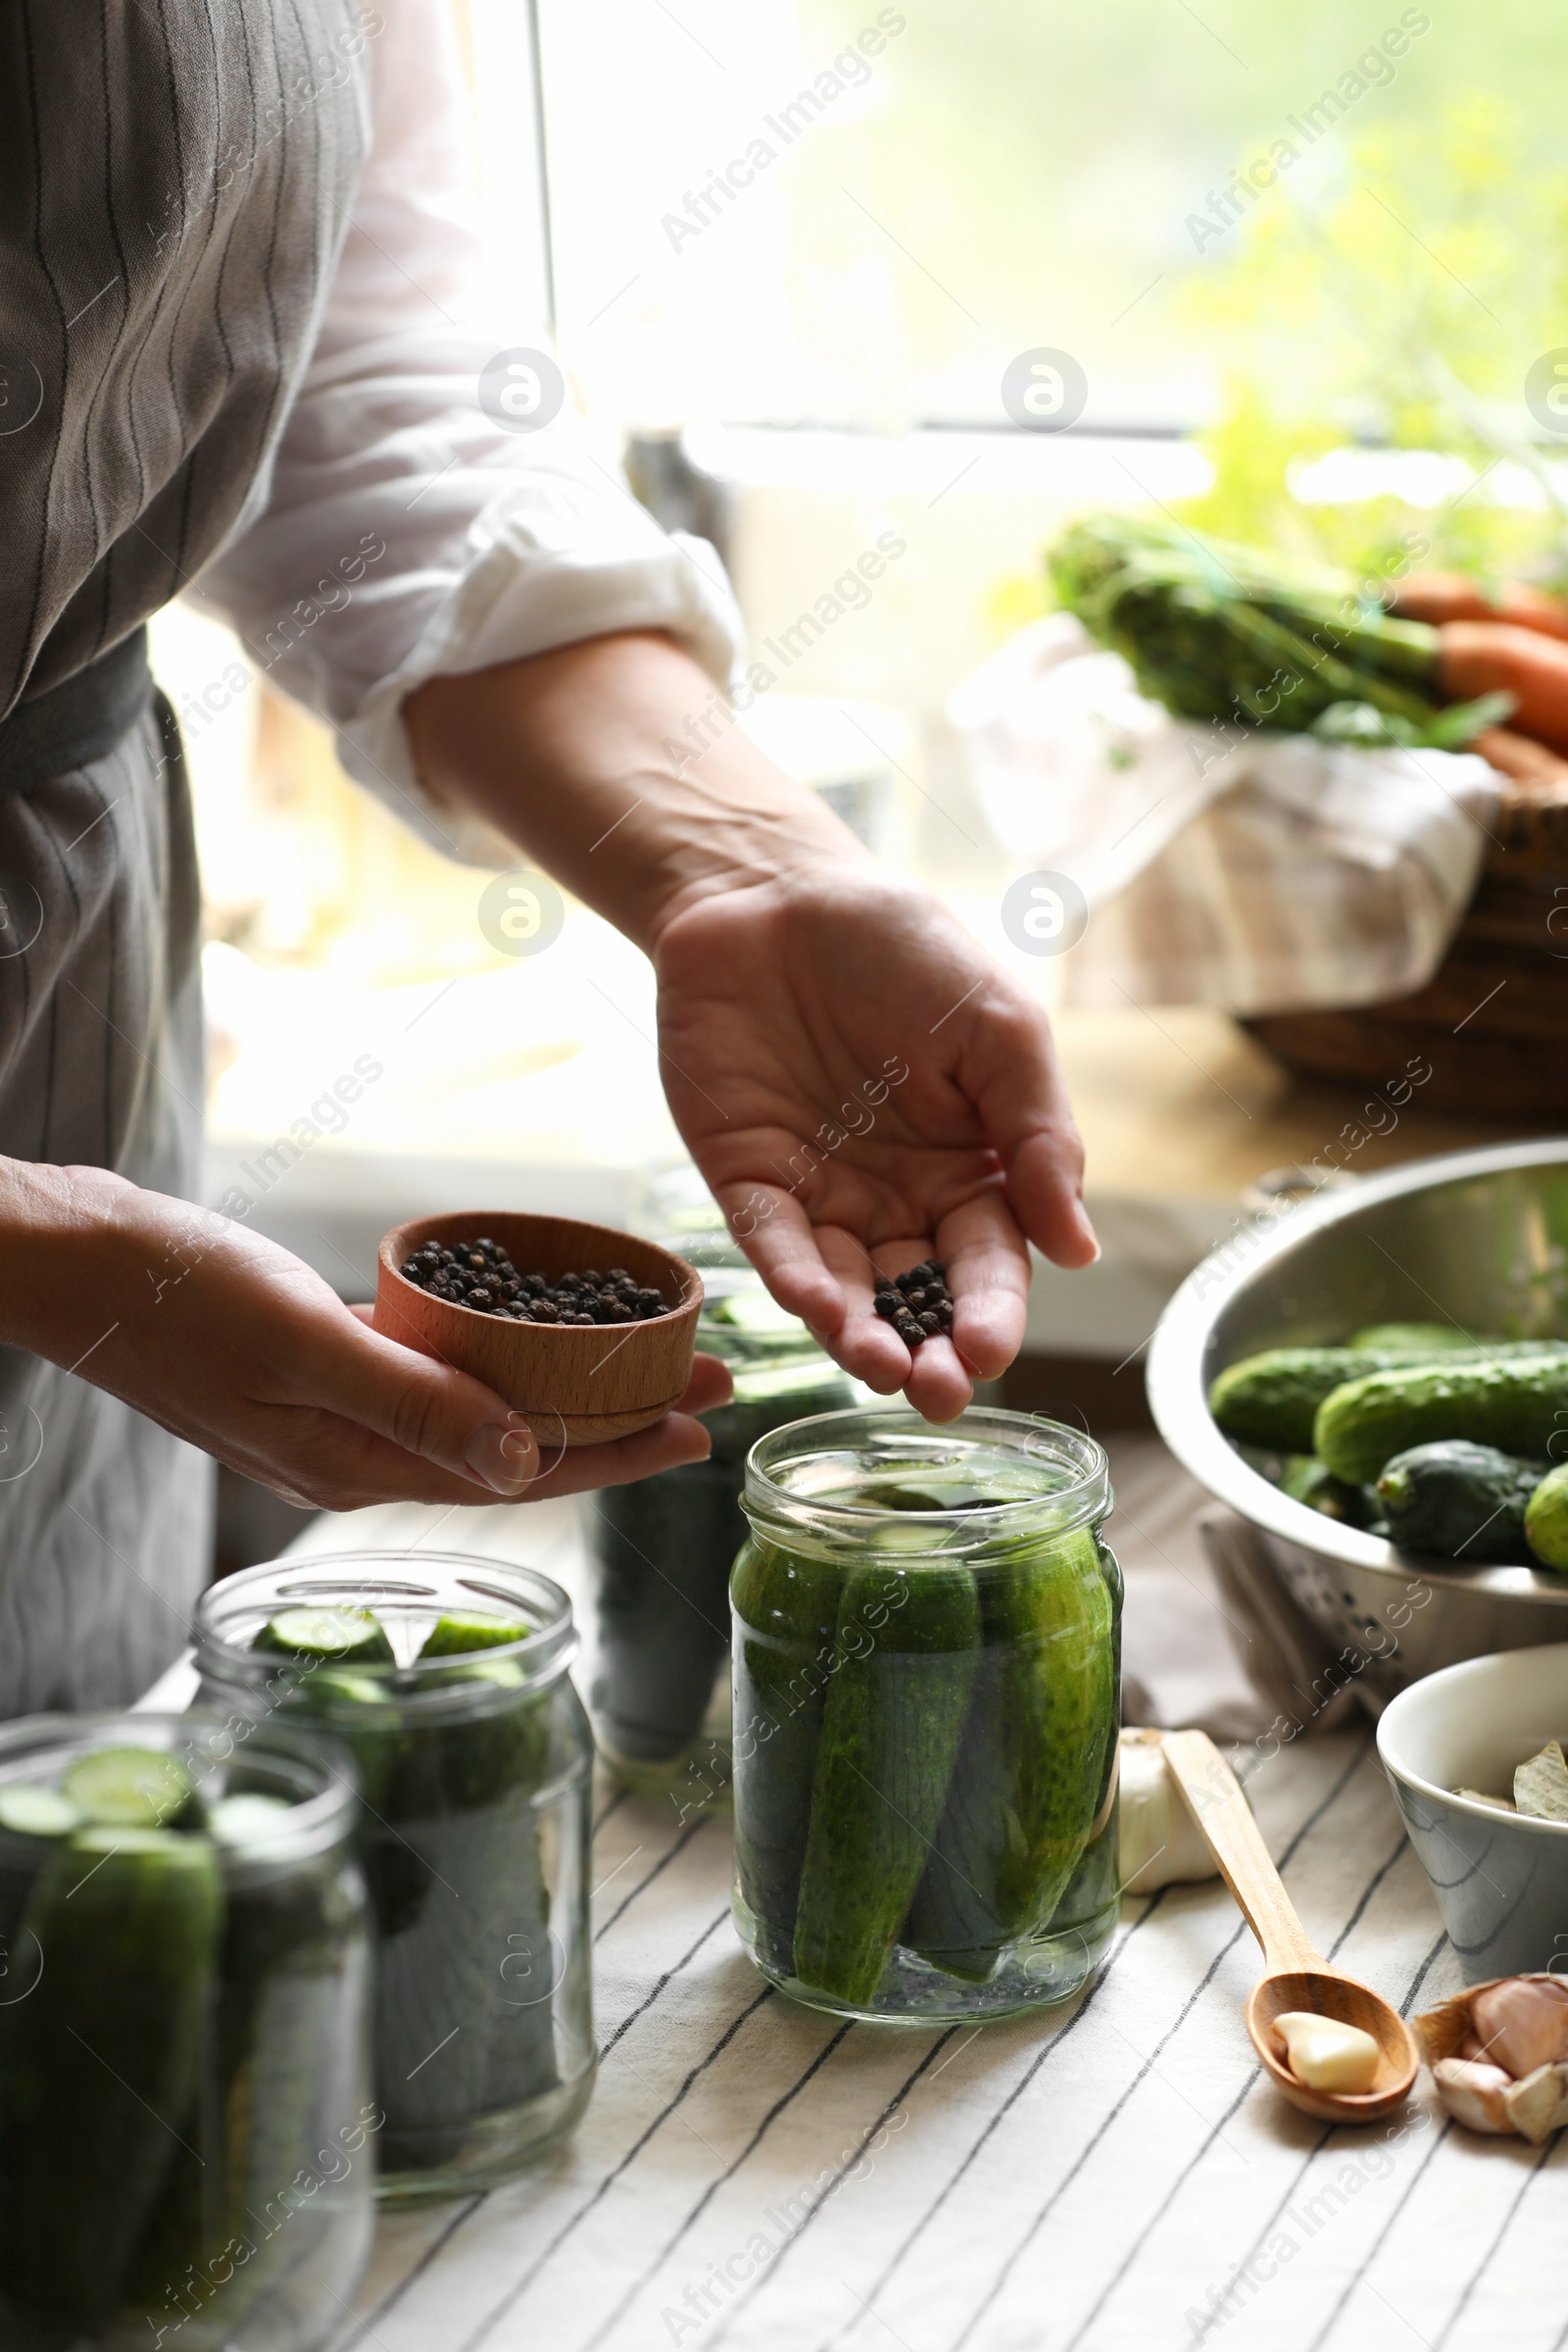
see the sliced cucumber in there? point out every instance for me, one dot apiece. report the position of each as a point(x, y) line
point(346, 1636)
point(32, 1811)
point(457, 1637)
point(356, 1709)
point(132, 1789)
point(240, 1819)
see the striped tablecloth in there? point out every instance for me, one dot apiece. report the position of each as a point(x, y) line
point(1117, 2174)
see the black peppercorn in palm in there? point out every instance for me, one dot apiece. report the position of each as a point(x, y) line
point(918, 1303)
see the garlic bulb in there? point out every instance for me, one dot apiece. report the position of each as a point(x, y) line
point(1499, 2055)
point(1325, 2053)
point(1158, 1842)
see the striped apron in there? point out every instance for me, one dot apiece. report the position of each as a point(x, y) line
point(174, 181)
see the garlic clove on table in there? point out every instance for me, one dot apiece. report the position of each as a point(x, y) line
point(1325, 2053)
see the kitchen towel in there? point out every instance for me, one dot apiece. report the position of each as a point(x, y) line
point(1261, 872)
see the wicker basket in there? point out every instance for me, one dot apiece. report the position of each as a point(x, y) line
point(1493, 1020)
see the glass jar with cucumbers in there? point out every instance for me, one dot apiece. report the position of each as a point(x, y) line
point(187, 2128)
point(926, 1677)
point(662, 1547)
point(446, 1679)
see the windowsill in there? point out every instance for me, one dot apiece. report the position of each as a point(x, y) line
point(933, 463)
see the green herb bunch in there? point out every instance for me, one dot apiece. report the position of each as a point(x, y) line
point(1220, 632)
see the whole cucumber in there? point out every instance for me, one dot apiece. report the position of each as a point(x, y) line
point(785, 1607)
point(904, 1665)
point(1305, 1480)
point(1415, 1338)
point(1457, 1501)
point(483, 1958)
point(267, 2096)
point(1272, 1400)
point(99, 2067)
point(440, 1990)
point(1031, 1770)
point(1546, 1519)
point(1518, 1404)
point(459, 1897)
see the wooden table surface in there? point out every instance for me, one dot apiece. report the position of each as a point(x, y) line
point(1115, 2173)
point(1179, 1102)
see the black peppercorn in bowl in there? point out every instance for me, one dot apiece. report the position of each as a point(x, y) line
point(610, 1353)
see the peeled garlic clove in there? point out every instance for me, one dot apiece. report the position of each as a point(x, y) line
point(1521, 2023)
point(1327, 2054)
point(1475, 2094)
point(1158, 1841)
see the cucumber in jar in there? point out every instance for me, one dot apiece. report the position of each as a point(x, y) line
point(1029, 1776)
point(255, 2128)
point(786, 1608)
point(457, 1883)
point(100, 2065)
point(464, 1974)
point(906, 1658)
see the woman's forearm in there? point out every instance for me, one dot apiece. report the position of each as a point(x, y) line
point(56, 1235)
point(618, 763)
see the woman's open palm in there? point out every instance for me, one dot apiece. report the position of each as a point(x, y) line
point(862, 1088)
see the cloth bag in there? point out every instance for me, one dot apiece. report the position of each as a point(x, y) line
point(1256, 871)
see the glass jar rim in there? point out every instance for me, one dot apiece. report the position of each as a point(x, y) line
point(334, 1579)
point(312, 1826)
point(1082, 1500)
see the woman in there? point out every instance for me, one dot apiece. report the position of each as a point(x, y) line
point(242, 330)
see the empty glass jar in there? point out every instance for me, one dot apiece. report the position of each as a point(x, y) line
point(927, 1665)
point(188, 2131)
point(446, 1679)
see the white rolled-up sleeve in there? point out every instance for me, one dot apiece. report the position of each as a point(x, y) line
point(401, 533)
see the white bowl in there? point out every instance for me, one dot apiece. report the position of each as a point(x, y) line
point(1500, 1879)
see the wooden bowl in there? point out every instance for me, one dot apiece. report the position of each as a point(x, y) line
point(573, 1385)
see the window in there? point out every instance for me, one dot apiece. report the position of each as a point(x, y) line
point(812, 236)
point(843, 212)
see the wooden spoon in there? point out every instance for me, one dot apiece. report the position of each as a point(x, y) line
point(1296, 1976)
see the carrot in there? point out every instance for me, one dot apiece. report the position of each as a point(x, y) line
point(1436, 597)
point(1516, 756)
point(1493, 656)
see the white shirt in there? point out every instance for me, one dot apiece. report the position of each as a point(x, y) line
point(401, 533)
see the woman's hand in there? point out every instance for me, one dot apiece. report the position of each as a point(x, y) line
point(233, 1343)
point(864, 1088)
point(795, 978)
